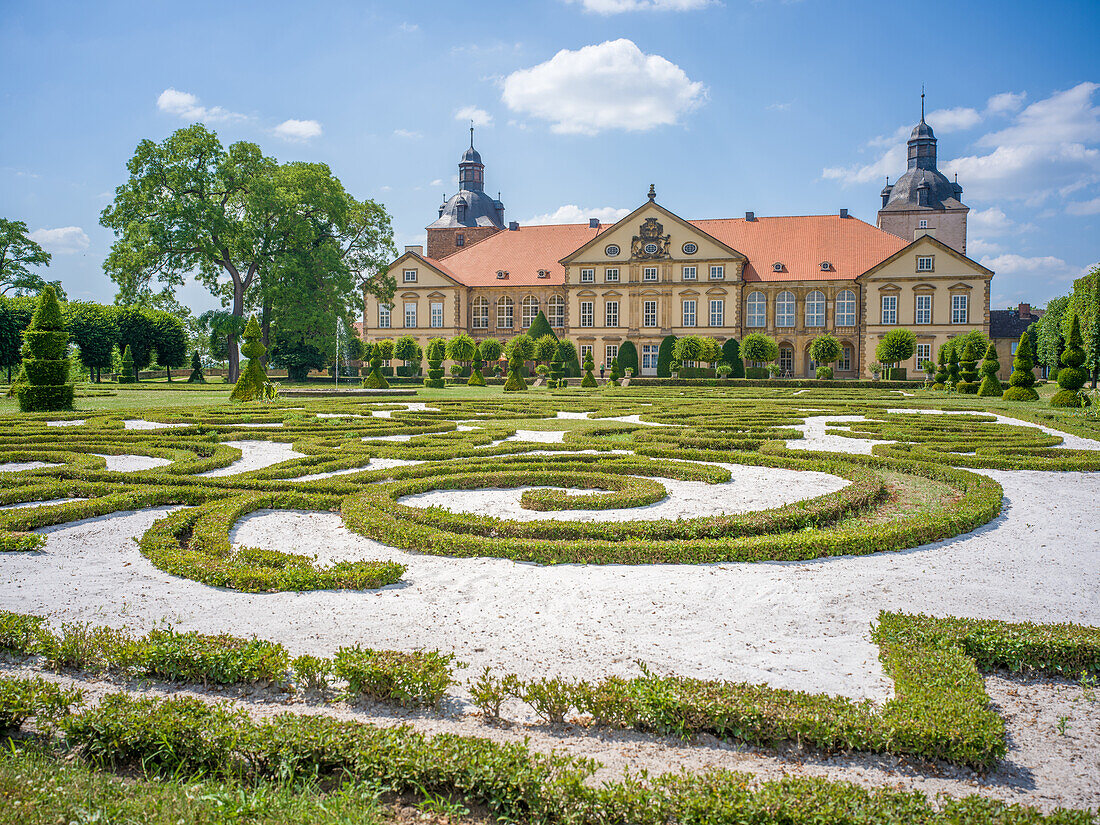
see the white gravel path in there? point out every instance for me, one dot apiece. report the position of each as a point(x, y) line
point(38, 503)
point(375, 464)
point(540, 436)
point(142, 424)
point(751, 488)
point(76, 422)
point(400, 437)
point(815, 437)
point(20, 466)
point(132, 463)
point(255, 455)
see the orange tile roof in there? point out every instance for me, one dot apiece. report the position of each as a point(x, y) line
point(800, 243)
point(521, 253)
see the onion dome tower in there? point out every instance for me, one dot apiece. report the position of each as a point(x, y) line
point(469, 215)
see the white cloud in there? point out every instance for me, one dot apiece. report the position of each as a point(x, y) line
point(779, 107)
point(613, 85)
point(186, 106)
point(436, 182)
point(1026, 172)
point(479, 116)
point(1012, 264)
point(954, 120)
point(65, 240)
point(608, 7)
point(1005, 103)
point(889, 163)
point(571, 213)
point(407, 133)
point(1091, 207)
point(977, 247)
point(298, 130)
point(1064, 117)
point(409, 27)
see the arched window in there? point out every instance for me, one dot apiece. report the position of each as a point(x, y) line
point(784, 309)
point(479, 313)
point(846, 308)
point(757, 310)
point(506, 308)
point(815, 309)
point(530, 307)
point(786, 360)
point(556, 311)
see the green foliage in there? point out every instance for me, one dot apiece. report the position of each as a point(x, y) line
point(942, 374)
point(491, 349)
point(93, 329)
point(375, 380)
point(589, 380)
point(253, 380)
point(137, 332)
point(197, 376)
point(1021, 383)
point(991, 384)
point(665, 357)
point(169, 341)
point(22, 699)
point(760, 348)
point(15, 317)
point(45, 363)
point(731, 354)
point(476, 378)
point(896, 346)
point(628, 357)
point(825, 349)
point(539, 328)
point(1071, 377)
point(17, 254)
point(824, 373)
point(462, 349)
point(953, 375)
point(614, 375)
point(546, 348)
point(128, 372)
point(968, 369)
point(1050, 339)
point(519, 350)
point(418, 679)
point(406, 349)
point(436, 351)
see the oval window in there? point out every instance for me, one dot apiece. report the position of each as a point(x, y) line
point(651, 249)
point(690, 248)
point(612, 250)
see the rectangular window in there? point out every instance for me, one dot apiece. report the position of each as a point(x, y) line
point(717, 312)
point(889, 309)
point(923, 224)
point(587, 314)
point(437, 315)
point(649, 273)
point(925, 263)
point(383, 316)
point(649, 313)
point(586, 349)
point(924, 310)
point(959, 313)
point(557, 312)
point(649, 357)
point(610, 351)
point(689, 313)
point(611, 276)
point(460, 239)
point(924, 353)
point(786, 360)
point(611, 314)
point(588, 276)
point(717, 272)
point(410, 276)
point(689, 273)
point(410, 316)
point(1013, 348)
point(845, 362)
point(481, 314)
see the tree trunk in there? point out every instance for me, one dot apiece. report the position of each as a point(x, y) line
point(168, 370)
point(265, 328)
point(234, 354)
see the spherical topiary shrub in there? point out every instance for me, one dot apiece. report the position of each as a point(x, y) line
point(127, 375)
point(1072, 376)
point(375, 380)
point(1021, 384)
point(825, 349)
point(760, 348)
point(968, 370)
point(824, 373)
point(196, 376)
point(589, 379)
point(253, 381)
point(45, 359)
point(991, 384)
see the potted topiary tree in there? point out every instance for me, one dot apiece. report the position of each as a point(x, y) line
point(876, 370)
point(1072, 376)
point(45, 384)
point(491, 349)
point(1021, 384)
point(991, 384)
point(461, 350)
point(825, 349)
point(896, 346)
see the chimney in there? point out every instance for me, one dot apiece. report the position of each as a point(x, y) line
point(1025, 312)
point(750, 216)
point(417, 248)
point(843, 213)
point(593, 223)
point(513, 226)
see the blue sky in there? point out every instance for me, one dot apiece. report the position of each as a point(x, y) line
point(776, 107)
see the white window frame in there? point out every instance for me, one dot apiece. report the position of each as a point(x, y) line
point(786, 360)
point(610, 351)
point(844, 314)
point(409, 276)
point(588, 313)
point(845, 362)
point(585, 350)
point(435, 318)
point(717, 272)
point(649, 274)
point(923, 303)
point(479, 313)
point(717, 312)
point(890, 310)
point(588, 276)
point(756, 310)
point(649, 313)
point(960, 308)
point(922, 223)
point(410, 314)
point(926, 263)
point(689, 273)
point(385, 316)
point(786, 309)
point(649, 356)
point(611, 276)
point(506, 311)
point(815, 309)
point(688, 313)
point(924, 353)
point(610, 314)
point(529, 311)
point(556, 311)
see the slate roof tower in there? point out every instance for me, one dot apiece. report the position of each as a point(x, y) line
point(469, 215)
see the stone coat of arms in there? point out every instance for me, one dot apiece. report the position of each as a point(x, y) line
point(649, 242)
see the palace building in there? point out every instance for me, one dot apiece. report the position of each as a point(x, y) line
point(653, 274)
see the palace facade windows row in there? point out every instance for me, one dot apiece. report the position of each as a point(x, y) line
point(786, 309)
point(506, 308)
point(922, 309)
point(651, 274)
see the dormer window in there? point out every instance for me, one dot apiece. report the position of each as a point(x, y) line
point(501, 274)
point(826, 266)
point(777, 267)
point(544, 273)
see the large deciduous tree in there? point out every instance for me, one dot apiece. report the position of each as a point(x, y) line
point(92, 327)
point(17, 254)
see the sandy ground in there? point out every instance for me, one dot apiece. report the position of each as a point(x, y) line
point(814, 436)
point(751, 488)
point(255, 455)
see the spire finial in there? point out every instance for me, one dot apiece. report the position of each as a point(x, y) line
point(652, 192)
point(922, 103)
point(472, 127)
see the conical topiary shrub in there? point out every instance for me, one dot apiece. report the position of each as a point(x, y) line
point(613, 376)
point(437, 351)
point(252, 383)
point(968, 370)
point(476, 379)
point(589, 379)
point(519, 349)
point(196, 376)
point(941, 371)
point(952, 365)
point(375, 380)
point(1072, 376)
point(45, 386)
point(991, 384)
point(127, 375)
point(1021, 384)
